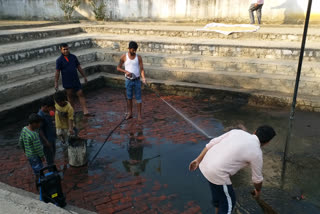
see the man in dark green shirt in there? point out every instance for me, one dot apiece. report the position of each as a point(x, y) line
point(30, 143)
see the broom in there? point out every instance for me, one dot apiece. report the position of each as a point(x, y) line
point(266, 208)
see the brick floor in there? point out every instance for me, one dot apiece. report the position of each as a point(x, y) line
point(142, 168)
point(102, 187)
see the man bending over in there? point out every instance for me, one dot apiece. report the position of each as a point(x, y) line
point(224, 156)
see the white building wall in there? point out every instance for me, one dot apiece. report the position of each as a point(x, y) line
point(274, 11)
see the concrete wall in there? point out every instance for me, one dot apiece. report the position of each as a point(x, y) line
point(274, 11)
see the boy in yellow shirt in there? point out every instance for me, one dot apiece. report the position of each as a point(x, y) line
point(63, 116)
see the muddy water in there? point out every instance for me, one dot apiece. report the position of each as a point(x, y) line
point(300, 177)
point(158, 151)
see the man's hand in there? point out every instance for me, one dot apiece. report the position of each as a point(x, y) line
point(256, 5)
point(194, 165)
point(255, 193)
point(71, 132)
point(56, 86)
point(128, 74)
point(144, 81)
point(43, 159)
point(48, 144)
point(85, 80)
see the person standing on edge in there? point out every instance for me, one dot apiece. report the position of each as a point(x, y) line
point(224, 156)
point(256, 5)
point(47, 130)
point(29, 141)
point(133, 71)
point(68, 65)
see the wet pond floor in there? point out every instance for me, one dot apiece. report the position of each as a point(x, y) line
point(143, 167)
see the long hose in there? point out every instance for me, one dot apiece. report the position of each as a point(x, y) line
point(182, 115)
point(106, 140)
point(99, 150)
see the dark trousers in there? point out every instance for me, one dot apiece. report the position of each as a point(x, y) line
point(223, 197)
point(50, 153)
point(255, 8)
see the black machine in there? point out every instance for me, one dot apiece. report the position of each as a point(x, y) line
point(50, 186)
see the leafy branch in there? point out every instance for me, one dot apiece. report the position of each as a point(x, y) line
point(99, 9)
point(68, 7)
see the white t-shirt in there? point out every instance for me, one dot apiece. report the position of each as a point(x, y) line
point(257, 1)
point(228, 154)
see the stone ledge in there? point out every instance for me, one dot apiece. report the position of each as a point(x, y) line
point(28, 36)
point(215, 50)
point(266, 33)
point(22, 106)
point(250, 97)
point(24, 26)
point(28, 104)
point(230, 64)
point(14, 73)
point(14, 200)
point(26, 54)
point(21, 52)
point(34, 84)
point(269, 36)
point(236, 80)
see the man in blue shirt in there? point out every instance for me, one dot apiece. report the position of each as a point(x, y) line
point(69, 66)
point(47, 130)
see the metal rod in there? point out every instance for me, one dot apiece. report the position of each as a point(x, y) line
point(296, 88)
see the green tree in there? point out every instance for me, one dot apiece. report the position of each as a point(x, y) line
point(99, 9)
point(68, 7)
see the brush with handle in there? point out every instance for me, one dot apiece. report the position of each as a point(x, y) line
point(266, 208)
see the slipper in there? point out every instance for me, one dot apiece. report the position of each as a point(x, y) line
point(89, 115)
point(128, 117)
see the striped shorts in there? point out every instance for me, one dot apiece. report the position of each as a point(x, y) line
point(223, 197)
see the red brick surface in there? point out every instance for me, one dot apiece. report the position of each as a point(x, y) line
point(101, 187)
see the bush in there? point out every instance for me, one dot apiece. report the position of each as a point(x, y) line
point(68, 7)
point(99, 9)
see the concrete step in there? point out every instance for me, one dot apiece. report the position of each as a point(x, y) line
point(274, 33)
point(14, 73)
point(14, 200)
point(39, 49)
point(34, 85)
point(22, 106)
point(266, 33)
point(216, 48)
point(226, 64)
point(24, 24)
point(236, 80)
point(251, 97)
point(259, 98)
point(12, 36)
point(24, 51)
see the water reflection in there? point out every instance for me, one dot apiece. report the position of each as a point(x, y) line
point(136, 163)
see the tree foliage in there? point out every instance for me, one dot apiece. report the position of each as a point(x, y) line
point(99, 9)
point(68, 6)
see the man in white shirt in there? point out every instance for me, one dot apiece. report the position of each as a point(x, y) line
point(224, 156)
point(133, 71)
point(256, 5)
